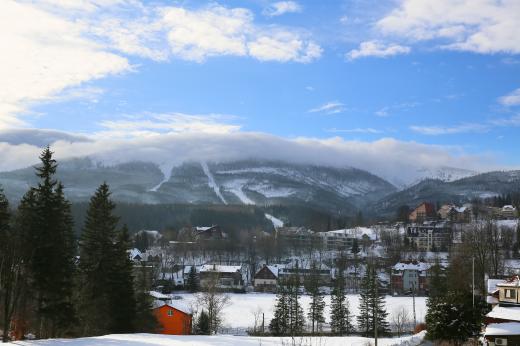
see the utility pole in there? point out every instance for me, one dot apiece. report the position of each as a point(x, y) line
point(473, 279)
point(374, 306)
point(413, 303)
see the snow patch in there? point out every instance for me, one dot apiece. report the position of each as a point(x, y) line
point(276, 222)
point(235, 187)
point(166, 169)
point(211, 181)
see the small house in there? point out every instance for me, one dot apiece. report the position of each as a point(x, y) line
point(173, 318)
point(266, 279)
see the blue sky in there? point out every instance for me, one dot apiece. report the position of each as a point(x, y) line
point(438, 74)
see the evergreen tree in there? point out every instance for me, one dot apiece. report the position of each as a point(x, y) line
point(193, 280)
point(203, 323)
point(146, 321)
point(452, 317)
point(122, 299)
point(340, 317)
point(317, 304)
point(437, 280)
point(50, 251)
point(372, 306)
point(279, 325)
point(296, 317)
point(355, 246)
point(97, 263)
point(107, 298)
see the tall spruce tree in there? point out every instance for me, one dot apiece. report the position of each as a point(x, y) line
point(372, 310)
point(340, 316)
point(279, 325)
point(193, 280)
point(107, 300)
point(317, 304)
point(296, 316)
point(122, 300)
point(51, 249)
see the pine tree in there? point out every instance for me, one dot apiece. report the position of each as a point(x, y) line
point(193, 280)
point(146, 321)
point(437, 280)
point(122, 299)
point(203, 323)
point(279, 325)
point(355, 246)
point(340, 317)
point(452, 317)
point(97, 263)
point(317, 304)
point(296, 317)
point(50, 251)
point(371, 305)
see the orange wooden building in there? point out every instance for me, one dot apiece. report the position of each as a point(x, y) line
point(173, 319)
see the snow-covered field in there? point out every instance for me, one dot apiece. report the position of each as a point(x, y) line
point(240, 313)
point(219, 340)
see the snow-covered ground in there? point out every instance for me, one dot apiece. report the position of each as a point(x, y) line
point(220, 340)
point(240, 313)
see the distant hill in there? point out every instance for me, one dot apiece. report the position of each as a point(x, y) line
point(457, 191)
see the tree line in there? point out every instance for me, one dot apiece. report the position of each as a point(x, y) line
point(289, 317)
point(54, 284)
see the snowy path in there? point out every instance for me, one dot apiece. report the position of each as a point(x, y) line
point(211, 181)
point(219, 340)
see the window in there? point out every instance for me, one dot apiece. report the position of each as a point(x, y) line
point(510, 293)
point(170, 312)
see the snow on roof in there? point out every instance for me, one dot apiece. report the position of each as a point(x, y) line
point(205, 228)
point(511, 282)
point(134, 253)
point(357, 232)
point(153, 233)
point(491, 300)
point(187, 268)
point(420, 266)
point(492, 284)
point(508, 207)
point(181, 306)
point(509, 328)
point(505, 313)
point(158, 295)
point(219, 268)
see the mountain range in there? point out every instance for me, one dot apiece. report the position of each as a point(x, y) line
point(260, 182)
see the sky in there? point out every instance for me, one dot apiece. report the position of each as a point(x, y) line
point(379, 85)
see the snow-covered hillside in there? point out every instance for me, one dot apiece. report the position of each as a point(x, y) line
point(219, 340)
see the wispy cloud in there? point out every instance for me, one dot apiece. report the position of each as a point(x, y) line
point(333, 107)
point(154, 124)
point(511, 99)
point(282, 7)
point(441, 130)
point(377, 49)
point(355, 130)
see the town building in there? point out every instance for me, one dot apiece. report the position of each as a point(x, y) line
point(209, 233)
point(508, 212)
point(503, 321)
point(304, 268)
point(425, 211)
point(410, 276)
point(266, 278)
point(430, 235)
point(222, 277)
point(173, 317)
point(299, 237)
point(450, 212)
point(343, 239)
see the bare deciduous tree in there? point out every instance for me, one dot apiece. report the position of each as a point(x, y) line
point(213, 302)
point(400, 320)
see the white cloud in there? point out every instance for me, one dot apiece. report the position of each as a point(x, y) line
point(483, 26)
point(377, 49)
point(441, 130)
point(387, 157)
point(281, 7)
point(333, 107)
point(355, 130)
point(511, 99)
point(154, 124)
point(43, 55)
